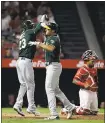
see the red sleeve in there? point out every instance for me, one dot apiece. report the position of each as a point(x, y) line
point(80, 76)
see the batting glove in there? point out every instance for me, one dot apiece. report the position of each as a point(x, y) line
point(44, 18)
point(34, 43)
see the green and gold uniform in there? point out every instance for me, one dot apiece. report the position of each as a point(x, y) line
point(29, 35)
point(53, 56)
point(25, 70)
point(53, 72)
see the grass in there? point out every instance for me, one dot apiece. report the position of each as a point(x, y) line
point(54, 121)
point(10, 110)
point(43, 110)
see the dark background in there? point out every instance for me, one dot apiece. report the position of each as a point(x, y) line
point(73, 44)
point(10, 85)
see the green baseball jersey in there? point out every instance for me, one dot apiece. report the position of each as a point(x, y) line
point(53, 56)
point(29, 35)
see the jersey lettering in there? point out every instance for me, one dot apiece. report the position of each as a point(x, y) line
point(22, 43)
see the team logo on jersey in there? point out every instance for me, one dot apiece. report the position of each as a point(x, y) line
point(52, 41)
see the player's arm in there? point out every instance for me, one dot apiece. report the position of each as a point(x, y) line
point(42, 45)
point(51, 46)
point(37, 28)
point(78, 78)
point(48, 47)
point(44, 19)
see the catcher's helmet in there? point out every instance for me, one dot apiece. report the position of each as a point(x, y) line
point(89, 55)
point(52, 26)
point(28, 24)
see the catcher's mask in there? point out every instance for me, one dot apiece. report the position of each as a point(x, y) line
point(89, 55)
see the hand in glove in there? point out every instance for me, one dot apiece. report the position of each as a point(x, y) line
point(44, 25)
point(86, 85)
point(34, 43)
point(44, 19)
point(93, 88)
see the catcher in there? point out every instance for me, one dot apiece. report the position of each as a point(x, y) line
point(86, 78)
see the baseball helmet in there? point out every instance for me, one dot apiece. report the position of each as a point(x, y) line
point(28, 24)
point(89, 55)
point(52, 26)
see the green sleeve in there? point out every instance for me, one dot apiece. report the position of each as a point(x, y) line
point(54, 42)
point(37, 28)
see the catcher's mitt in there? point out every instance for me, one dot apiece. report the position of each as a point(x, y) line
point(90, 84)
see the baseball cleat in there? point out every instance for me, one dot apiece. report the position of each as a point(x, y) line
point(33, 112)
point(52, 118)
point(19, 111)
point(69, 115)
point(71, 112)
point(63, 111)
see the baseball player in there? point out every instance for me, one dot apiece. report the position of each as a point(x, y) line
point(25, 68)
point(53, 71)
point(87, 93)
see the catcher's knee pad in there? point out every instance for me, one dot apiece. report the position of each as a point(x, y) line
point(82, 111)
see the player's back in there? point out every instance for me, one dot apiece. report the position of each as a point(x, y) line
point(24, 49)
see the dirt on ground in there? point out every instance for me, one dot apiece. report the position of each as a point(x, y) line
point(42, 116)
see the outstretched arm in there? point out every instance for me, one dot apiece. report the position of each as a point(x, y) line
point(47, 47)
point(44, 19)
point(42, 45)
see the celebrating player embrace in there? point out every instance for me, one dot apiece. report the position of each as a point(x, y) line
point(53, 70)
point(24, 67)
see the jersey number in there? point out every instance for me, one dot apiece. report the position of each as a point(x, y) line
point(22, 43)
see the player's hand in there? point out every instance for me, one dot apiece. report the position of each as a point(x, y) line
point(44, 18)
point(33, 43)
point(43, 25)
point(86, 85)
point(93, 88)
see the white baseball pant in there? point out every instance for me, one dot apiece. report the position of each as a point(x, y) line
point(88, 100)
point(53, 72)
point(26, 78)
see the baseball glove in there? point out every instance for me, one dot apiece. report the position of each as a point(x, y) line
point(90, 84)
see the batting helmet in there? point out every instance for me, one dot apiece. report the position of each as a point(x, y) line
point(89, 55)
point(52, 26)
point(28, 24)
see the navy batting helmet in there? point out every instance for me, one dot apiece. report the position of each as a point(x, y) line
point(89, 55)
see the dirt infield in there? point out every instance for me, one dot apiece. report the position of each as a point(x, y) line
point(98, 117)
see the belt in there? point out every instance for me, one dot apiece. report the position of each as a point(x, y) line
point(48, 63)
point(94, 90)
point(23, 58)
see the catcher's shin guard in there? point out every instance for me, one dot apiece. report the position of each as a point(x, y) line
point(82, 111)
point(93, 112)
